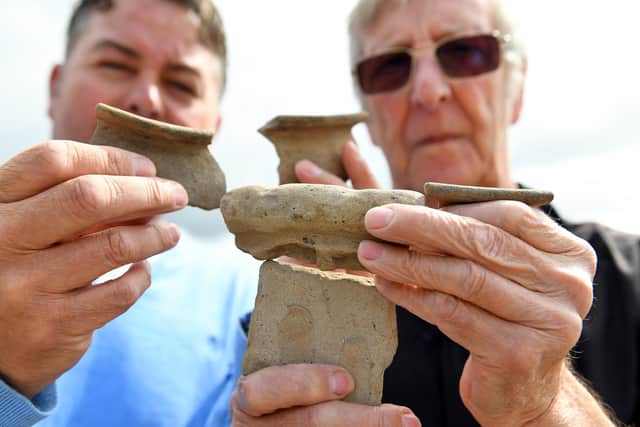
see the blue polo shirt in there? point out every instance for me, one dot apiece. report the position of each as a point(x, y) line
point(172, 359)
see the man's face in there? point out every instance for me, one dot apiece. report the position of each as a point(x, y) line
point(142, 56)
point(436, 128)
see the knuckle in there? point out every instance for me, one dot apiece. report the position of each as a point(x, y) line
point(413, 264)
point(474, 281)
point(156, 192)
point(55, 157)
point(486, 241)
point(589, 258)
point(577, 288)
point(450, 309)
point(119, 249)
point(166, 238)
point(115, 163)
point(573, 330)
point(89, 195)
point(124, 294)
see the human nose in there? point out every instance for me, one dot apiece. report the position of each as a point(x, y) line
point(430, 86)
point(145, 99)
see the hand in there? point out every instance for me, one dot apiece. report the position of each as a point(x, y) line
point(308, 395)
point(354, 164)
point(69, 213)
point(502, 280)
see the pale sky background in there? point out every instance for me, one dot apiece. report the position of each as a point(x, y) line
point(578, 136)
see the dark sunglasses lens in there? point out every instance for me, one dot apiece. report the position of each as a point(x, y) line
point(384, 72)
point(469, 56)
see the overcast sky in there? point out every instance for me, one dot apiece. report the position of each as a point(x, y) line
point(578, 136)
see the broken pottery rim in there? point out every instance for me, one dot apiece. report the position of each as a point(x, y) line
point(149, 127)
point(285, 123)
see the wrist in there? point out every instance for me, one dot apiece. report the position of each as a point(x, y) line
point(574, 404)
point(25, 388)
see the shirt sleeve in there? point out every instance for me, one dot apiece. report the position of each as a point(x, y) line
point(18, 411)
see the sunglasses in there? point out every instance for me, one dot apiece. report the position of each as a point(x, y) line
point(458, 57)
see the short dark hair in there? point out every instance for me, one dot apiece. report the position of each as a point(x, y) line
point(211, 31)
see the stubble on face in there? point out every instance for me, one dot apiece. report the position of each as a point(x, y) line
point(161, 35)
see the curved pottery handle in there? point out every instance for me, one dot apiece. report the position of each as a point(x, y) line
point(316, 138)
point(180, 154)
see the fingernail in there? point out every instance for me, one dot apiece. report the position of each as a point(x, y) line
point(340, 383)
point(143, 166)
point(378, 218)
point(410, 420)
point(241, 397)
point(369, 250)
point(310, 168)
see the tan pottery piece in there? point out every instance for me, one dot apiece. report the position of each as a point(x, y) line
point(303, 315)
point(316, 138)
point(319, 224)
point(180, 154)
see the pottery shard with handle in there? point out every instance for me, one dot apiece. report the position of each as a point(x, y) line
point(179, 153)
point(316, 138)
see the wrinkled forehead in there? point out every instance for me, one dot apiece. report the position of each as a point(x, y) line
point(418, 22)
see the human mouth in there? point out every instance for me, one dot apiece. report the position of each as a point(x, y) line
point(437, 139)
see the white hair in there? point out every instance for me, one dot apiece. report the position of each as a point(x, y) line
point(366, 11)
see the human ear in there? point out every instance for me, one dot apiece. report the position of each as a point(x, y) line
point(55, 78)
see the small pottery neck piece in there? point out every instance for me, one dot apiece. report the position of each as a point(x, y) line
point(316, 138)
point(180, 154)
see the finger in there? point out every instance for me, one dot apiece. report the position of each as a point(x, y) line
point(487, 245)
point(72, 265)
point(357, 168)
point(424, 229)
point(536, 229)
point(308, 172)
point(279, 387)
point(86, 202)
point(482, 333)
point(92, 307)
point(529, 224)
point(332, 414)
point(54, 162)
point(463, 279)
point(99, 228)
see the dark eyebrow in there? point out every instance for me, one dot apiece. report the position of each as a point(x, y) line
point(125, 50)
point(183, 68)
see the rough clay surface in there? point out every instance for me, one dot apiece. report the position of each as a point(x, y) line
point(303, 315)
point(180, 154)
point(320, 224)
point(319, 139)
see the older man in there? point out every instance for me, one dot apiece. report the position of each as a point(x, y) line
point(493, 294)
point(70, 212)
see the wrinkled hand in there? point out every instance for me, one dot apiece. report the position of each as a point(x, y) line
point(502, 280)
point(354, 164)
point(69, 213)
point(307, 395)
